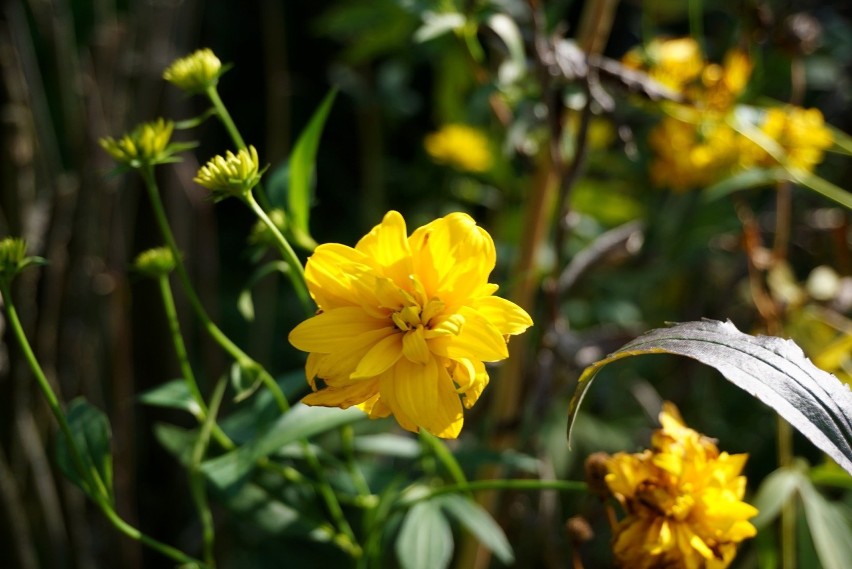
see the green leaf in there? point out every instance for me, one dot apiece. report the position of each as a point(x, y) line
point(91, 434)
point(830, 474)
point(479, 522)
point(829, 528)
point(774, 492)
point(301, 166)
point(179, 442)
point(773, 370)
point(173, 395)
point(300, 422)
point(425, 540)
point(822, 187)
point(842, 141)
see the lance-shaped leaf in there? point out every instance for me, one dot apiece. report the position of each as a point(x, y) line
point(775, 371)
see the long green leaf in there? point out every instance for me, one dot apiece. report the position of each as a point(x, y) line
point(300, 422)
point(775, 371)
point(302, 167)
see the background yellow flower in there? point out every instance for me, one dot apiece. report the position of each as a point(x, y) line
point(405, 323)
point(461, 146)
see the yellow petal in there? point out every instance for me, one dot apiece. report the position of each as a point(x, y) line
point(478, 340)
point(423, 395)
point(414, 346)
point(387, 244)
point(336, 368)
point(343, 397)
point(380, 357)
point(332, 330)
point(507, 316)
point(329, 272)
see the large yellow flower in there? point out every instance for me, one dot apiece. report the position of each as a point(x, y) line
point(405, 323)
point(683, 501)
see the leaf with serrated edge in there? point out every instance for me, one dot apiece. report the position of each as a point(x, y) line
point(773, 370)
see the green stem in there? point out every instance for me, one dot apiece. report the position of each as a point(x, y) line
point(225, 117)
point(347, 439)
point(196, 477)
point(511, 484)
point(297, 271)
point(47, 390)
point(183, 361)
point(231, 127)
point(209, 326)
point(133, 533)
point(444, 456)
point(100, 497)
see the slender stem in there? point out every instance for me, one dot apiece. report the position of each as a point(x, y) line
point(444, 456)
point(100, 497)
point(231, 127)
point(297, 271)
point(225, 117)
point(196, 477)
point(200, 312)
point(347, 437)
point(47, 390)
point(133, 533)
point(696, 22)
point(183, 360)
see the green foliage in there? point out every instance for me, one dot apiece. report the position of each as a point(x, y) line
point(91, 435)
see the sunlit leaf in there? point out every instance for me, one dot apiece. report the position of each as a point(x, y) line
point(773, 370)
point(173, 395)
point(425, 540)
point(437, 24)
point(479, 522)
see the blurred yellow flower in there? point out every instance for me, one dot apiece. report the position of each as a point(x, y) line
point(461, 146)
point(722, 84)
point(230, 175)
point(673, 62)
point(195, 72)
point(801, 134)
point(145, 145)
point(688, 155)
point(683, 500)
point(406, 322)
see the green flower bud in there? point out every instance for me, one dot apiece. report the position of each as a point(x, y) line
point(13, 258)
point(155, 263)
point(196, 72)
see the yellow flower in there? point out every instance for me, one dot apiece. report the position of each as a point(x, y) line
point(673, 62)
point(145, 145)
point(683, 500)
point(801, 133)
point(195, 72)
point(722, 84)
point(406, 322)
point(691, 155)
point(461, 146)
point(231, 175)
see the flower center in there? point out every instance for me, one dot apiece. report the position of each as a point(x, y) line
point(413, 316)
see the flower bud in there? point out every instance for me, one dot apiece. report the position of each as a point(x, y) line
point(196, 72)
point(155, 263)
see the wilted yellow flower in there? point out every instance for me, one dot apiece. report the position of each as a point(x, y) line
point(406, 322)
point(231, 175)
point(801, 133)
point(461, 146)
point(683, 500)
point(195, 72)
point(155, 262)
point(673, 62)
point(145, 145)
